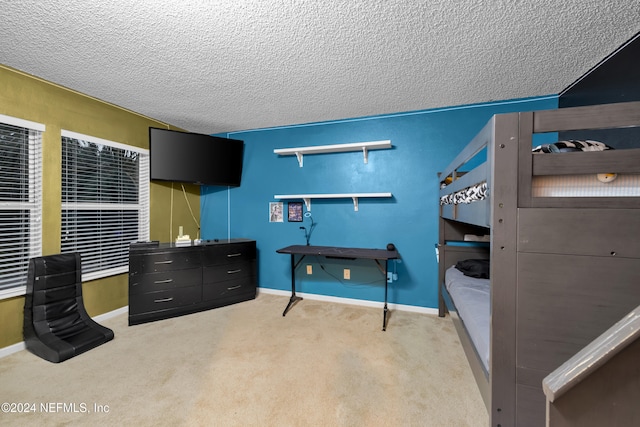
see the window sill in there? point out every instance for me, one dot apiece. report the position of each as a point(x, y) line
point(12, 292)
point(20, 291)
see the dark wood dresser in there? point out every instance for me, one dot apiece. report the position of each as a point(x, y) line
point(166, 280)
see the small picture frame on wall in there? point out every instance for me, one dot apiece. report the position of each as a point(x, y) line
point(295, 212)
point(275, 212)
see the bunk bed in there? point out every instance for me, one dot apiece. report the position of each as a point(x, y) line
point(560, 231)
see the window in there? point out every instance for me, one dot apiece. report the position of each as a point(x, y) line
point(105, 202)
point(20, 201)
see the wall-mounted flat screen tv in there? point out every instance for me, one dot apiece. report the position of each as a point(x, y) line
point(195, 158)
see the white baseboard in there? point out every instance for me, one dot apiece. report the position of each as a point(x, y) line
point(14, 348)
point(112, 313)
point(10, 349)
point(364, 303)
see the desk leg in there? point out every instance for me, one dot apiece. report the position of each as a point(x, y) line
point(294, 298)
point(386, 287)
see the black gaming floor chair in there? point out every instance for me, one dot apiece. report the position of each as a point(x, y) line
point(56, 324)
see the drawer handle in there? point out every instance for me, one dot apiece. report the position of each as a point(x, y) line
point(164, 262)
point(163, 281)
point(164, 299)
point(234, 271)
point(232, 255)
point(234, 287)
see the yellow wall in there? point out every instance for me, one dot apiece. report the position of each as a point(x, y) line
point(30, 98)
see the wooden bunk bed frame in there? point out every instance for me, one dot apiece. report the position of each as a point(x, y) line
point(563, 269)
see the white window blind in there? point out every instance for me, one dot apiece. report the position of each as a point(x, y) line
point(20, 201)
point(105, 202)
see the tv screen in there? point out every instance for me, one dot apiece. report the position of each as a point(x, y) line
point(194, 158)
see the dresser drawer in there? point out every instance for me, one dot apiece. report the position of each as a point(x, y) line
point(222, 273)
point(231, 253)
point(164, 300)
point(164, 261)
point(229, 288)
point(163, 280)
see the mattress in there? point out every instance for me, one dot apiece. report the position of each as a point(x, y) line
point(466, 195)
point(590, 185)
point(627, 185)
point(472, 298)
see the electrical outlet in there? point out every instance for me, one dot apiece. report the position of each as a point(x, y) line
point(309, 269)
point(347, 274)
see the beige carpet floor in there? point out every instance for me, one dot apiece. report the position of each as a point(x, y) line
point(324, 364)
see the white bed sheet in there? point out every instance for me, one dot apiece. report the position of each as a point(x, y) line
point(472, 298)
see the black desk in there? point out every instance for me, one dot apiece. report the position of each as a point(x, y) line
point(343, 253)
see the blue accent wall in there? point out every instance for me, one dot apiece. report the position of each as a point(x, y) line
point(424, 142)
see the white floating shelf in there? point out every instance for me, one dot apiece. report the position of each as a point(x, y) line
point(307, 197)
point(299, 152)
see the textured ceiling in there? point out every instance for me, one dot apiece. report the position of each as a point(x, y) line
point(225, 65)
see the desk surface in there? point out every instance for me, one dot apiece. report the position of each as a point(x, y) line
point(338, 252)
